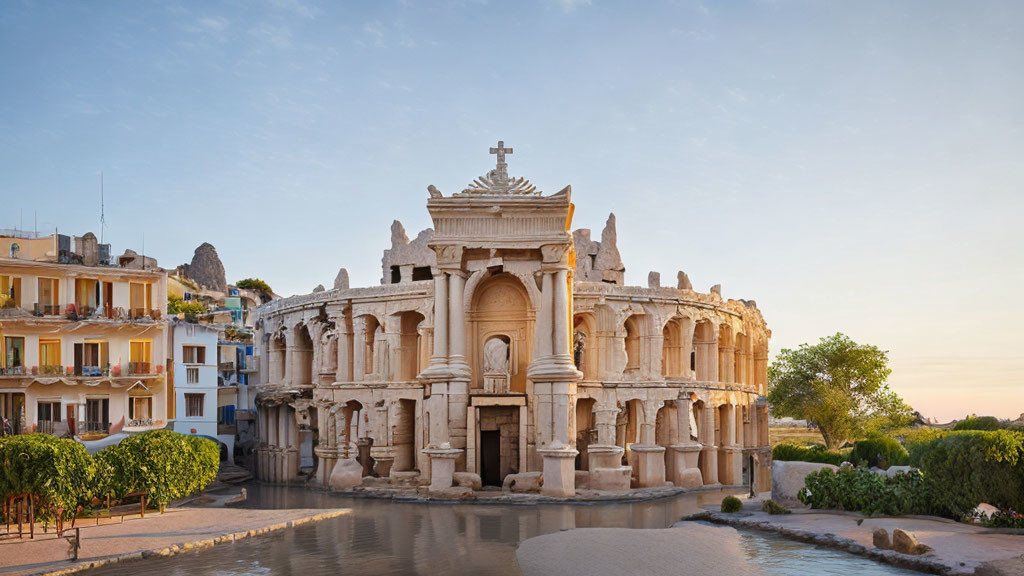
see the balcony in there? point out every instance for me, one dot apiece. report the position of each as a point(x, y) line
point(46, 426)
point(92, 371)
point(12, 371)
point(48, 370)
point(94, 427)
point(140, 368)
point(226, 366)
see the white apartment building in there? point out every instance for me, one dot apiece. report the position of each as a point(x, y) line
point(195, 378)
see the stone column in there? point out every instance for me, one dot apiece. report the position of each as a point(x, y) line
point(440, 355)
point(359, 349)
point(710, 451)
point(544, 319)
point(685, 452)
point(605, 454)
point(561, 313)
point(457, 326)
point(733, 454)
point(650, 457)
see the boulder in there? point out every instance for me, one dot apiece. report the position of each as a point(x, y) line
point(880, 539)
point(906, 543)
point(525, 482)
point(206, 268)
point(319, 288)
point(341, 280)
point(347, 474)
point(788, 479)
point(468, 480)
point(894, 470)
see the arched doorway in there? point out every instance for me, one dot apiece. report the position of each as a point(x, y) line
point(586, 431)
point(410, 356)
point(501, 308)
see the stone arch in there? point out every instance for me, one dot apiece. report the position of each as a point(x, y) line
point(726, 351)
point(742, 357)
point(350, 428)
point(374, 347)
point(411, 353)
point(302, 355)
point(279, 357)
point(633, 341)
point(703, 353)
point(585, 345)
point(478, 277)
point(501, 308)
point(675, 361)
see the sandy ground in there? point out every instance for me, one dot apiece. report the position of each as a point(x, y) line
point(616, 551)
point(961, 547)
point(155, 532)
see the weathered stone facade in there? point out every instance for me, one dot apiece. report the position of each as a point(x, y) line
point(500, 343)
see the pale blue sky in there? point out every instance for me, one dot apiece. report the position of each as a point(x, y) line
point(852, 166)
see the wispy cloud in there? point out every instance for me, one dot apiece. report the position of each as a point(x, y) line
point(571, 5)
point(375, 30)
point(277, 36)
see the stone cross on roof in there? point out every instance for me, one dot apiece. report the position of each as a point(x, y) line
point(501, 172)
point(497, 181)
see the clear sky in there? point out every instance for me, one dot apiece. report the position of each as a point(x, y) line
point(852, 166)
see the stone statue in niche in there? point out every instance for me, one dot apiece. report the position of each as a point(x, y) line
point(496, 366)
point(579, 347)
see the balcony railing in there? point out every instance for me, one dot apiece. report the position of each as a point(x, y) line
point(140, 368)
point(95, 427)
point(49, 370)
point(226, 366)
point(12, 371)
point(139, 422)
point(45, 426)
point(92, 371)
point(47, 309)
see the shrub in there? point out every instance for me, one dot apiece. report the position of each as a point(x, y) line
point(53, 470)
point(816, 453)
point(1004, 519)
point(979, 423)
point(880, 451)
point(165, 464)
point(731, 504)
point(773, 507)
point(966, 468)
point(860, 490)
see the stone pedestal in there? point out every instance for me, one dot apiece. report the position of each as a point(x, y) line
point(683, 458)
point(604, 456)
point(442, 467)
point(615, 479)
point(650, 465)
point(731, 467)
point(559, 472)
point(382, 465)
point(327, 458)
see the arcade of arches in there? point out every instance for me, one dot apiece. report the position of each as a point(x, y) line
point(503, 345)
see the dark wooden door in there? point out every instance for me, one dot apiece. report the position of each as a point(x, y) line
point(490, 457)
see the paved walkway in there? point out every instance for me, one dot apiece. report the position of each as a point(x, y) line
point(175, 530)
point(960, 548)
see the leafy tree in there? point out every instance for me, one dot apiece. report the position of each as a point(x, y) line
point(256, 285)
point(979, 423)
point(839, 386)
point(191, 309)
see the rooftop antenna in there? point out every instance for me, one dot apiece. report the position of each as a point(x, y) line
point(103, 217)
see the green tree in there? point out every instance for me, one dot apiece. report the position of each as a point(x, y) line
point(191, 309)
point(838, 385)
point(256, 285)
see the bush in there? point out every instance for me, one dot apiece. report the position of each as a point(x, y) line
point(880, 451)
point(966, 468)
point(860, 490)
point(1003, 519)
point(53, 470)
point(165, 464)
point(979, 423)
point(773, 507)
point(731, 504)
point(816, 453)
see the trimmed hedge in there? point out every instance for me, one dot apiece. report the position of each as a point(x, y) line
point(861, 490)
point(815, 453)
point(731, 504)
point(54, 470)
point(879, 451)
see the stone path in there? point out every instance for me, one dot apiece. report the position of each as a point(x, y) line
point(176, 530)
point(957, 548)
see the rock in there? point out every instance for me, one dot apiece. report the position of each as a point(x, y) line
point(319, 288)
point(455, 492)
point(404, 253)
point(986, 509)
point(582, 480)
point(1001, 567)
point(906, 543)
point(206, 268)
point(683, 281)
point(341, 280)
point(654, 279)
point(525, 482)
point(894, 470)
point(347, 474)
point(788, 479)
point(717, 289)
point(880, 539)
point(608, 260)
point(467, 479)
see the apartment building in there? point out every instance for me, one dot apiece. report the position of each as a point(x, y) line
point(83, 337)
point(195, 378)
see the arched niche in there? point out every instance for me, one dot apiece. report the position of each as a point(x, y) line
point(584, 344)
point(501, 307)
point(411, 355)
point(632, 326)
point(675, 357)
point(302, 356)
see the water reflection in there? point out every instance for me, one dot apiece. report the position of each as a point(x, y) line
point(384, 537)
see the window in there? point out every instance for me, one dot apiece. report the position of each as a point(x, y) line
point(97, 415)
point(193, 354)
point(49, 296)
point(14, 352)
point(87, 296)
point(48, 411)
point(91, 358)
point(140, 408)
point(192, 375)
point(396, 274)
point(10, 292)
point(421, 273)
point(194, 405)
point(140, 296)
point(139, 355)
point(49, 355)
